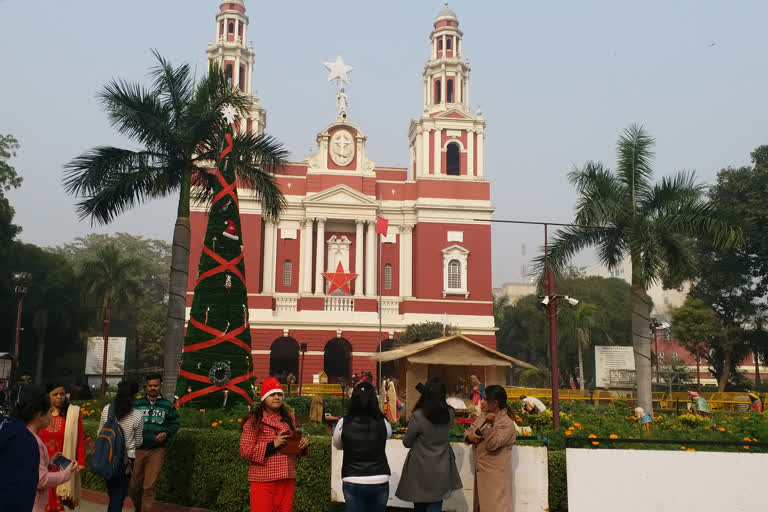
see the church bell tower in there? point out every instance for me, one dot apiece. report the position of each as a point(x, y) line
point(447, 141)
point(236, 58)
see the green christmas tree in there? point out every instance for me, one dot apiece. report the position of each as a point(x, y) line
point(216, 368)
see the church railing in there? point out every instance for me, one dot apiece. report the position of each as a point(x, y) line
point(286, 304)
point(339, 304)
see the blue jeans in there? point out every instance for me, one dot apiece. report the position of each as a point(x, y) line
point(428, 507)
point(365, 497)
point(117, 489)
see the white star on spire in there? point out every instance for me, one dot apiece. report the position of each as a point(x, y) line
point(230, 113)
point(338, 70)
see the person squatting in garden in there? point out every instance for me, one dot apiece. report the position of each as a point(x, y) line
point(531, 405)
point(268, 443)
point(34, 408)
point(429, 472)
point(645, 419)
point(64, 435)
point(161, 422)
point(492, 435)
point(362, 434)
point(131, 424)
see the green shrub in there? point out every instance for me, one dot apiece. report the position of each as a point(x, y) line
point(558, 485)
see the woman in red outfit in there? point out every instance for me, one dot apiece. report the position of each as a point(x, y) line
point(265, 444)
point(64, 435)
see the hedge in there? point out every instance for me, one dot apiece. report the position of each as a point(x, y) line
point(203, 468)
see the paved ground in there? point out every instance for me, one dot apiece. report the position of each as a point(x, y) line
point(87, 506)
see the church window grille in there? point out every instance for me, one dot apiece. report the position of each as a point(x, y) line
point(454, 274)
point(387, 276)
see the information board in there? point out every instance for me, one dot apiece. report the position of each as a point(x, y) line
point(614, 367)
point(115, 356)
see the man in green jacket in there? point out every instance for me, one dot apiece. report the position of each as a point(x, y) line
point(161, 421)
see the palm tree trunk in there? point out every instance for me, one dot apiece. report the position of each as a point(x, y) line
point(177, 294)
point(641, 342)
point(581, 360)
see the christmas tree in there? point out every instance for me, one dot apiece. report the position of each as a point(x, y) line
point(216, 368)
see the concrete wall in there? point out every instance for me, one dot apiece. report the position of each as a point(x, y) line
point(664, 481)
point(530, 478)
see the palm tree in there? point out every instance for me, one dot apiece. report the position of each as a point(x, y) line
point(176, 123)
point(110, 280)
point(623, 214)
point(579, 321)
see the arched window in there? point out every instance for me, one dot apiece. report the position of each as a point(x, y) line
point(387, 276)
point(448, 43)
point(287, 272)
point(453, 159)
point(439, 44)
point(449, 90)
point(231, 27)
point(454, 275)
point(228, 73)
point(438, 91)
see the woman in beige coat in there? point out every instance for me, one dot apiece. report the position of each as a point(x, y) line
point(492, 436)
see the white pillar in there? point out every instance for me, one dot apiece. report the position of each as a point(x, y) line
point(470, 153)
point(466, 90)
point(359, 244)
point(426, 92)
point(406, 261)
point(444, 50)
point(268, 276)
point(443, 88)
point(438, 151)
point(370, 260)
point(306, 264)
point(320, 258)
point(459, 87)
point(412, 163)
point(480, 144)
point(425, 152)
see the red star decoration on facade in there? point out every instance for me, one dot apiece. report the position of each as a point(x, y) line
point(339, 280)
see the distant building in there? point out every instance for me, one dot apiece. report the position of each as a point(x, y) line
point(515, 291)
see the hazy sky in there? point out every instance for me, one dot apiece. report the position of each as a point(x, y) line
point(557, 82)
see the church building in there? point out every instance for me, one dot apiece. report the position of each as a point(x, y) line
point(434, 264)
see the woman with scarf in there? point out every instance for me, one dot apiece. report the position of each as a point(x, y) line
point(268, 443)
point(64, 435)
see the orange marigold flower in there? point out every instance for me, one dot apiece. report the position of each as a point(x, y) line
point(231, 421)
point(691, 450)
point(239, 420)
point(613, 436)
point(595, 443)
point(592, 436)
point(721, 429)
point(214, 424)
point(747, 439)
point(577, 424)
point(706, 428)
point(746, 447)
point(682, 447)
point(569, 432)
point(87, 403)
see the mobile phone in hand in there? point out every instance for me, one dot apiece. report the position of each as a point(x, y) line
point(62, 462)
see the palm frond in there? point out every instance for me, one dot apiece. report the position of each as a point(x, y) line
point(113, 180)
point(566, 244)
point(635, 157)
point(256, 160)
point(137, 113)
point(670, 194)
point(600, 195)
point(678, 257)
point(173, 85)
point(612, 248)
point(699, 219)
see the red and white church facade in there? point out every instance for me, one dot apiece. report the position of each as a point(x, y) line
point(434, 262)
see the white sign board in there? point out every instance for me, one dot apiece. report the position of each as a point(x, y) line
point(664, 481)
point(529, 479)
point(614, 367)
point(94, 356)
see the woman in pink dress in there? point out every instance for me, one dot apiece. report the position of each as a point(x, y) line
point(64, 435)
point(35, 411)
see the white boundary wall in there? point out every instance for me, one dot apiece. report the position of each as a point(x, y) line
point(665, 481)
point(530, 479)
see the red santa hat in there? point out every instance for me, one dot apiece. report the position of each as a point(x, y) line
point(230, 231)
point(269, 387)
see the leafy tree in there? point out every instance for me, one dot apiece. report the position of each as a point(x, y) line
point(576, 326)
point(425, 331)
point(9, 179)
point(176, 123)
point(622, 214)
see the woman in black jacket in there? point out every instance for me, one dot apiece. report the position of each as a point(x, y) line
point(363, 434)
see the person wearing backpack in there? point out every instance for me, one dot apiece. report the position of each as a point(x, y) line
point(115, 465)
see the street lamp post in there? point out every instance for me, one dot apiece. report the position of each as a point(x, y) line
point(21, 279)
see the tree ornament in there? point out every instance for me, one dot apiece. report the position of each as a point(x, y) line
point(207, 310)
point(226, 205)
point(213, 245)
point(220, 373)
point(228, 283)
point(226, 328)
point(230, 231)
point(245, 315)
